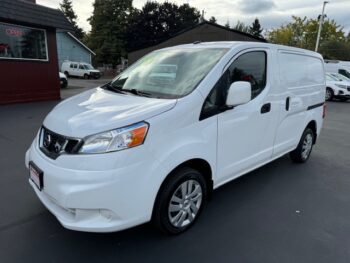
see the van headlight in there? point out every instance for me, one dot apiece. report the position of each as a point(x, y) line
point(115, 140)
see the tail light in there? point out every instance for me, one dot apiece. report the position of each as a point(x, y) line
point(324, 110)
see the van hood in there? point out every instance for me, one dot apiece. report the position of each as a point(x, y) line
point(100, 110)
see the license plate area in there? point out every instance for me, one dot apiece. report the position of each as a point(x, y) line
point(36, 175)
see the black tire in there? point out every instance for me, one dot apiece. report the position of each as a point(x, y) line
point(161, 214)
point(331, 94)
point(86, 76)
point(299, 155)
point(64, 83)
point(66, 73)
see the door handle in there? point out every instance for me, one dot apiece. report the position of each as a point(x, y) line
point(287, 103)
point(265, 108)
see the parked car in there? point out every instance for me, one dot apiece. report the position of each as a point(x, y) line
point(79, 69)
point(341, 77)
point(136, 150)
point(63, 80)
point(341, 67)
point(337, 88)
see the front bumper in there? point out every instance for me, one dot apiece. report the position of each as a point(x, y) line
point(95, 75)
point(96, 200)
point(344, 93)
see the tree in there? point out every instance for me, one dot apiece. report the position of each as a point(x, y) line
point(67, 8)
point(256, 29)
point(240, 26)
point(302, 32)
point(158, 21)
point(337, 50)
point(109, 23)
point(212, 19)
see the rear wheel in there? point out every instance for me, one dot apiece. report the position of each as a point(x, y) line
point(329, 94)
point(180, 201)
point(302, 153)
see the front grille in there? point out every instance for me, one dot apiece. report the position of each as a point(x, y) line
point(53, 144)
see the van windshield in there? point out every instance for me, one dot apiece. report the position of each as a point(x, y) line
point(88, 66)
point(168, 73)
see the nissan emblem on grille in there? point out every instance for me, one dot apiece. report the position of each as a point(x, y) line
point(47, 140)
point(57, 147)
point(53, 144)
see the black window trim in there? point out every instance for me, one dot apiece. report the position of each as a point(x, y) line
point(29, 59)
point(204, 115)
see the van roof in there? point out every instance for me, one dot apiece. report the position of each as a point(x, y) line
point(248, 44)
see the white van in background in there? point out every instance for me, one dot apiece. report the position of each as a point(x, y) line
point(79, 69)
point(156, 141)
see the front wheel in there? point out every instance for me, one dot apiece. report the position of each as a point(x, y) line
point(64, 83)
point(329, 94)
point(86, 76)
point(302, 153)
point(180, 201)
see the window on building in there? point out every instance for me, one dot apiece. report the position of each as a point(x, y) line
point(18, 42)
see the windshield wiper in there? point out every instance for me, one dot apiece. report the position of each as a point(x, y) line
point(109, 86)
point(138, 92)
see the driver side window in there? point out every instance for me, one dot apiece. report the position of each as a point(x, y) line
point(251, 67)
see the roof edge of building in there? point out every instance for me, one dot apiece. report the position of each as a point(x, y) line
point(194, 26)
point(81, 43)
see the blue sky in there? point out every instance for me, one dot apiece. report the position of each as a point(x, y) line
point(271, 13)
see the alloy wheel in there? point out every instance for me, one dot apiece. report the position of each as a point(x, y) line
point(307, 146)
point(185, 203)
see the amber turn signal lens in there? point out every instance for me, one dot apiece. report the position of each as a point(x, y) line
point(138, 136)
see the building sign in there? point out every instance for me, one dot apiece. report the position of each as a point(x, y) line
point(15, 32)
point(18, 42)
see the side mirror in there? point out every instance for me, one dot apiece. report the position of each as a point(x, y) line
point(240, 92)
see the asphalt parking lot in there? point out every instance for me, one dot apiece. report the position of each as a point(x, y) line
point(77, 85)
point(282, 212)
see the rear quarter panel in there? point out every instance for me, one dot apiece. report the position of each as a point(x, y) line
point(302, 79)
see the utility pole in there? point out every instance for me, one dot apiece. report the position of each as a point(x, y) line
point(320, 26)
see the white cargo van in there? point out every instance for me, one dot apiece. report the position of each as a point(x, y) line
point(157, 140)
point(79, 69)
